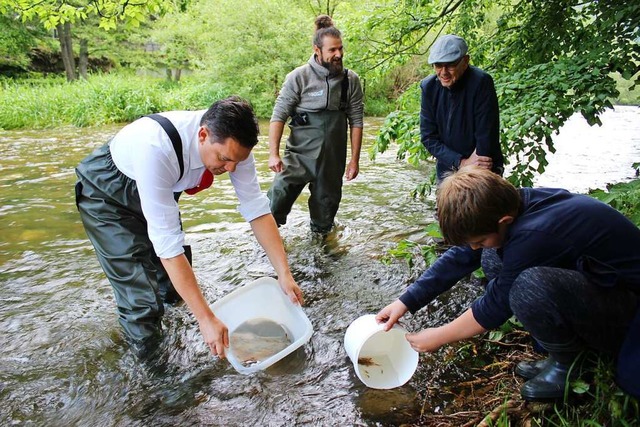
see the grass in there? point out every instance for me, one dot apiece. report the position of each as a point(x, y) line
point(39, 103)
point(103, 99)
point(43, 102)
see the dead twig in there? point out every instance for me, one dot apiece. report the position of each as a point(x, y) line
point(472, 382)
point(508, 406)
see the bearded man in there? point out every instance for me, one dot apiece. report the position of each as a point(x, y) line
point(323, 100)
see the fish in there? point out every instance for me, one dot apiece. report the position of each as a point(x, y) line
point(258, 339)
point(367, 361)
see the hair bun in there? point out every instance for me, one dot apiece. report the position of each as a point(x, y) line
point(323, 21)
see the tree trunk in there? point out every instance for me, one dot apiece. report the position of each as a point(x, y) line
point(324, 7)
point(176, 74)
point(83, 60)
point(168, 72)
point(276, 87)
point(66, 50)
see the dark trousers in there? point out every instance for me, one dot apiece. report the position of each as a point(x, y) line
point(566, 312)
point(316, 155)
point(111, 213)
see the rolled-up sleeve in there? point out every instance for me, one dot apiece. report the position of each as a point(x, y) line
point(253, 202)
point(355, 112)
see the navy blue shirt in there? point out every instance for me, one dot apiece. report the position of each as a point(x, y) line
point(456, 121)
point(555, 228)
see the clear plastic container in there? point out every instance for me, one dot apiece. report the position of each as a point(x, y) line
point(263, 299)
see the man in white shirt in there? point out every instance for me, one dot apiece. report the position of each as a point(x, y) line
point(127, 194)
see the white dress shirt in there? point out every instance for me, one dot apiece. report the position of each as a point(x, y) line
point(143, 152)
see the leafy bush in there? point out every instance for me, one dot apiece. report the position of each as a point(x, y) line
point(624, 196)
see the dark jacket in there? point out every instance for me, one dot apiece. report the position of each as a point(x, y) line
point(456, 121)
point(555, 228)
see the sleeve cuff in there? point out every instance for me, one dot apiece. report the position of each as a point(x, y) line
point(169, 246)
point(412, 304)
point(255, 208)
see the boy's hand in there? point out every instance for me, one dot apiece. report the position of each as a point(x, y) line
point(427, 340)
point(391, 313)
point(291, 288)
point(215, 335)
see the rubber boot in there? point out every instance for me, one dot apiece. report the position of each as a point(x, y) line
point(551, 381)
point(530, 368)
point(147, 350)
point(549, 384)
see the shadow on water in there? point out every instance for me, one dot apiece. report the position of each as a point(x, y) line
point(63, 360)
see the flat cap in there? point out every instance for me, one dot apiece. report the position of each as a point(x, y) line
point(448, 48)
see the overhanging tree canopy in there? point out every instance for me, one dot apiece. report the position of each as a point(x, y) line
point(549, 59)
point(61, 14)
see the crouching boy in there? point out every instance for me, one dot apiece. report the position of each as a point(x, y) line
point(566, 265)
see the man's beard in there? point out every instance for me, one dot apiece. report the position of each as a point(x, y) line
point(334, 67)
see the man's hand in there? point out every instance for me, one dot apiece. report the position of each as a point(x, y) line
point(214, 332)
point(215, 335)
point(479, 161)
point(352, 170)
point(391, 313)
point(275, 163)
point(291, 288)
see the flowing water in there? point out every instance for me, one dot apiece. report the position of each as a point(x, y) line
point(63, 361)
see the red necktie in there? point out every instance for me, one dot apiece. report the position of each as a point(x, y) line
point(205, 182)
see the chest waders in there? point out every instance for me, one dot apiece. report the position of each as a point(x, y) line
point(315, 154)
point(111, 212)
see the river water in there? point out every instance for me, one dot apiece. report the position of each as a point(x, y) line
point(63, 361)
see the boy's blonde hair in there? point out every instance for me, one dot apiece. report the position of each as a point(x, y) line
point(471, 201)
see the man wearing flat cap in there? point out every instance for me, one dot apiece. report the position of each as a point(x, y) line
point(459, 119)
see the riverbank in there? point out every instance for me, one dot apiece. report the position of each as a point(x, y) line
point(46, 102)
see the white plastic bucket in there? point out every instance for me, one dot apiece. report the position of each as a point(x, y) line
point(263, 299)
point(381, 359)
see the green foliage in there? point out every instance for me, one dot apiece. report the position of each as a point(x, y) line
point(557, 63)
point(377, 107)
point(629, 93)
point(254, 53)
point(537, 101)
point(506, 328)
point(403, 127)
point(624, 196)
point(15, 43)
point(234, 45)
point(110, 12)
point(406, 249)
point(101, 100)
point(549, 60)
